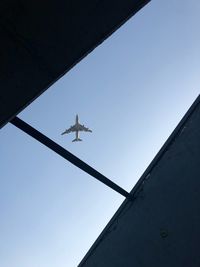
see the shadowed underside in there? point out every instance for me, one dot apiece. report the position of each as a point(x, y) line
point(42, 40)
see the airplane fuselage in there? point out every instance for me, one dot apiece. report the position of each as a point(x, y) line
point(77, 129)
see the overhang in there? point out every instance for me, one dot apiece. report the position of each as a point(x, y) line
point(42, 40)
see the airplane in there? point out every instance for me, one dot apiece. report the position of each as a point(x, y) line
point(77, 127)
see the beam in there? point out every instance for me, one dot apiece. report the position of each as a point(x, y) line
point(68, 156)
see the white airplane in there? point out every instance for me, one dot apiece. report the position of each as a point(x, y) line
point(77, 127)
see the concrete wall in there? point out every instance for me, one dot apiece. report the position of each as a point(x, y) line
point(161, 226)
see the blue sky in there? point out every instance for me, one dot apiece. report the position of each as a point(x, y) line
point(131, 91)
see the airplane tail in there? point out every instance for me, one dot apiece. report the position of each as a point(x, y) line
point(76, 139)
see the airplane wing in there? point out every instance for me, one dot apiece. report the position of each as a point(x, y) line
point(71, 129)
point(83, 128)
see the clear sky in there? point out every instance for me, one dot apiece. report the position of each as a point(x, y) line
point(131, 91)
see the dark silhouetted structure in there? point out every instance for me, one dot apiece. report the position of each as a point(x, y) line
point(42, 39)
point(161, 226)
